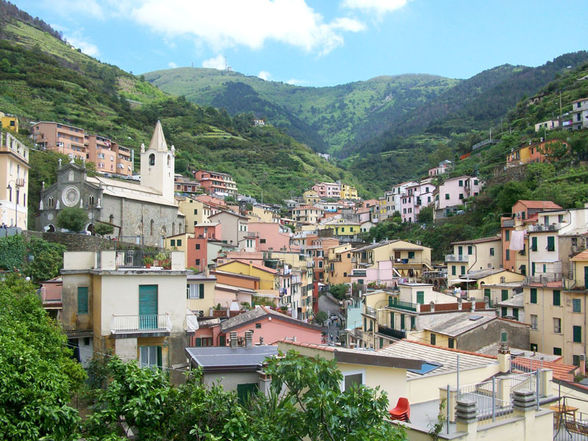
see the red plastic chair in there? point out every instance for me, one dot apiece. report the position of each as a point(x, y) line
point(402, 410)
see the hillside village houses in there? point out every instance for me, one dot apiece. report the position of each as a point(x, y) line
point(232, 278)
point(14, 181)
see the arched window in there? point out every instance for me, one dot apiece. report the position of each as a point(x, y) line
point(91, 201)
point(168, 160)
point(50, 202)
point(173, 228)
point(152, 159)
point(151, 227)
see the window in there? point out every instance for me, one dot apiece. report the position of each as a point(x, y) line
point(504, 294)
point(446, 195)
point(463, 270)
point(470, 250)
point(150, 356)
point(411, 254)
point(262, 240)
point(503, 311)
point(412, 322)
point(195, 210)
point(507, 235)
point(556, 325)
point(577, 331)
point(576, 305)
point(460, 183)
point(197, 246)
point(556, 297)
point(560, 218)
point(258, 326)
point(201, 291)
point(507, 254)
point(533, 244)
point(576, 360)
point(82, 300)
point(556, 351)
point(534, 321)
point(550, 243)
point(420, 297)
point(523, 269)
point(453, 270)
point(534, 295)
point(534, 347)
point(197, 262)
point(492, 251)
point(461, 195)
point(433, 339)
point(173, 243)
point(352, 379)
point(451, 343)
point(152, 159)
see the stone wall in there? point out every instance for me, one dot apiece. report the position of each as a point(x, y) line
point(82, 242)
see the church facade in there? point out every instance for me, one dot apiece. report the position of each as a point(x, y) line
point(142, 213)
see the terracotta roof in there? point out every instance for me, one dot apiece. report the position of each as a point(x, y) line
point(254, 265)
point(583, 256)
point(561, 371)
point(481, 240)
point(259, 313)
point(540, 204)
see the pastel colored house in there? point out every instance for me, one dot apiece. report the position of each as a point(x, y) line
point(453, 192)
point(137, 313)
point(9, 122)
point(272, 236)
point(328, 190)
point(200, 291)
point(216, 183)
point(14, 181)
point(234, 226)
point(268, 277)
point(416, 197)
point(533, 152)
point(477, 254)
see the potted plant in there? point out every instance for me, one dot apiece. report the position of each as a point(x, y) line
point(148, 261)
point(165, 263)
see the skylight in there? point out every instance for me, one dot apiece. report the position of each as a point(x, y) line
point(426, 368)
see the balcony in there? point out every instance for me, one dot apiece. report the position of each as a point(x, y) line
point(508, 223)
point(132, 325)
point(395, 333)
point(403, 305)
point(456, 258)
point(370, 311)
point(542, 227)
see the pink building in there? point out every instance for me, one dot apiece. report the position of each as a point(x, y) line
point(328, 189)
point(440, 169)
point(383, 274)
point(417, 196)
point(454, 191)
point(271, 236)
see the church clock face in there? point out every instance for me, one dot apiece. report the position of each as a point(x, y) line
point(70, 196)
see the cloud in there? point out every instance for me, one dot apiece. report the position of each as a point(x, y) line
point(172, 64)
point(219, 62)
point(295, 82)
point(264, 75)
point(85, 46)
point(379, 7)
point(224, 24)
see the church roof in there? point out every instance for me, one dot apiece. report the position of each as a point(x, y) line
point(129, 190)
point(158, 139)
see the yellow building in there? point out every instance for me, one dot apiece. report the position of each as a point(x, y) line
point(339, 265)
point(137, 313)
point(311, 197)
point(195, 212)
point(14, 181)
point(557, 313)
point(262, 214)
point(9, 122)
point(268, 277)
point(200, 294)
point(348, 192)
point(342, 228)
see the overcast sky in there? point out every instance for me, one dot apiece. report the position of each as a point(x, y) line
point(320, 42)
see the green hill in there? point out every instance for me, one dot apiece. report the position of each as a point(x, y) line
point(325, 118)
point(44, 78)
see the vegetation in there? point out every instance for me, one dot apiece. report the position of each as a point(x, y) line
point(312, 407)
point(34, 257)
point(339, 291)
point(72, 219)
point(38, 373)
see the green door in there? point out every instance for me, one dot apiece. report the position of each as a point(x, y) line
point(515, 312)
point(420, 297)
point(148, 307)
point(488, 295)
point(402, 321)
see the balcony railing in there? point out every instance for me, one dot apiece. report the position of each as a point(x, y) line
point(543, 278)
point(403, 305)
point(543, 227)
point(508, 223)
point(456, 258)
point(123, 323)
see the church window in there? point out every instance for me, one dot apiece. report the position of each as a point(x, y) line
point(151, 229)
point(173, 228)
point(50, 202)
point(91, 201)
point(168, 160)
point(152, 159)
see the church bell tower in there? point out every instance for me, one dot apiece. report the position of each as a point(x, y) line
point(158, 165)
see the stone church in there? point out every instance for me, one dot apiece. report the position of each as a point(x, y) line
point(142, 213)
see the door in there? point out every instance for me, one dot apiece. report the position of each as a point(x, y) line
point(148, 307)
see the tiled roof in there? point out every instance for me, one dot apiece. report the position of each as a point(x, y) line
point(561, 371)
point(447, 358)
point(254, 265)
point(481, 240)
point(258, 313)
point(544, 205)
point(583, 256)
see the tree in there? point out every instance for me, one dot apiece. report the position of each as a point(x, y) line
point(72, 219)
point(38, 373)
point(321, 317)
point(103, 229)
point(339, 291)
point(426, 215)
point(35, 257)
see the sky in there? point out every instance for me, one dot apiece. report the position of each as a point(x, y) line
point(319, 42)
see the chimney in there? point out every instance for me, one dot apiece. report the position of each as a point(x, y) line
point(248, 339)
point(234, 343)
point(504, 354)
point(474, 305)
point(583, 365)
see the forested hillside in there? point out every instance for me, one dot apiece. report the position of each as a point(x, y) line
point(44, 78)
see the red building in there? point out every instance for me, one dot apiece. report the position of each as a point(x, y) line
point(215, 182)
